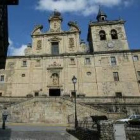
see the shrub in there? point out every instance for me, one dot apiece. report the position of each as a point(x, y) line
point(29, 95)
point(44, 95)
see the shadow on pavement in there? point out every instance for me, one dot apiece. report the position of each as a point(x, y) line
point(5, 134)
point(83, 134)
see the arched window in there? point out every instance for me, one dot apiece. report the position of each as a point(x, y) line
point(102, 35)
point(114, 34)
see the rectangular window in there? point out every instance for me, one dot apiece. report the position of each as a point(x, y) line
point(55, 48)
point(23, 75)
point(138, 72)
point(72, 61)
point(116, 76)
point(24, 63)
point(0, 94)
point(135, 58)
point(113, 61)
point(36, 93)
point(2, 78)
point(73, 94)
point(118, 94)
point(87, 61)
point(37, 63)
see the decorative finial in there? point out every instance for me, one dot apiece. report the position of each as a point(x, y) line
point(56, 13)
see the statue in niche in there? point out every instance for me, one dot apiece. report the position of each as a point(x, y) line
point(39, 44)
point(55, 79)
point(71, 42)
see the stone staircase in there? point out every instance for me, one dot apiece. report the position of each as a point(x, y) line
point(58, 110)
point(51, 110)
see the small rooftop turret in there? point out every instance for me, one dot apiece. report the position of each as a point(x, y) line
point(101, 16)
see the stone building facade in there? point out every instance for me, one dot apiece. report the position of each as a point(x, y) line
point(107, 68)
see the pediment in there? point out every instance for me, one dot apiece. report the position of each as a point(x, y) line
point(37, 29)
point(55, 38)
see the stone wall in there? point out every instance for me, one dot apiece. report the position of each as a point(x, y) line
point(100, 104)
point(49, 110)
point(106, 131)
point(97, 74)
point(133, 133)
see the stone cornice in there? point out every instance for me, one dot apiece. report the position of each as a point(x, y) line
point(75, 54)
point(113, 22)
point(55, 33)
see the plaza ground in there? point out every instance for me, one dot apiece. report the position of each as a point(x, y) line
point(15, 131)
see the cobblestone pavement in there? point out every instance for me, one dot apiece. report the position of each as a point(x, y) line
point(34, 132)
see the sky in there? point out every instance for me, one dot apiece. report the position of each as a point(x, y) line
point(23, 18)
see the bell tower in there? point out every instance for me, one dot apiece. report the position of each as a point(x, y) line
point(107, 35)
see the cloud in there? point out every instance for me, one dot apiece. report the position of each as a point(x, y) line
point(16, 51)
point(127, 3)
point(84, 7)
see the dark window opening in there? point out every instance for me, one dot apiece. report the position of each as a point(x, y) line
point(54, 92)
point(0, 94)
point(73, 94)
point(113, 60)
point(36, 94)
point(72, 61)
point(135, 58)
point(24, 64)
point(102, 35)
point(138, 72)
point(23, 75)
point(2, 78)
point(103, 18)
point(138, 76)
point(116, 76)
point(114, 34)
point(118, 94)
point(87, 61)
point(55, 48)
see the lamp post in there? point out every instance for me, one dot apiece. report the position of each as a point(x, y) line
point(74, 80)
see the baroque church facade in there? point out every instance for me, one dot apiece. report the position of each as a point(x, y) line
point(107, 68)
